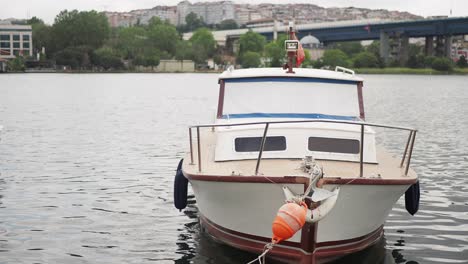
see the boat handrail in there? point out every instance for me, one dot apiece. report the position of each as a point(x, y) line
point(344, 70)
point(406, 154)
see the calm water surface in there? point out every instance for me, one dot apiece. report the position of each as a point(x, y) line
point(87, 164)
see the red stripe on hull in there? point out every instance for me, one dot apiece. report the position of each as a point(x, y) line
point(297, 179)
point(291, 252)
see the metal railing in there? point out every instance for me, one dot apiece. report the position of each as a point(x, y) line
point(406, 154)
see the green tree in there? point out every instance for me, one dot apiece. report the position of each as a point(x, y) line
point(374, 48)
point(193, 22)
point(365, 59)
point(442, 64)
point(184, 50)
point(73, 28)
point(275, 52)
point(251, 41)
point(107, 58)
point(72, 57)
point(131, 41)
point(307, 63)
point(203, 45)
point(462, 63)
point(163, 36)
point(335, 57)
point(227, 24)
point(350, 47)
point(251, 59)
point(41, 34)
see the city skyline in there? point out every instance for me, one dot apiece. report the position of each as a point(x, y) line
point(48, 9)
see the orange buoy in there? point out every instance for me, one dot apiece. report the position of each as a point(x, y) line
point(289, 219)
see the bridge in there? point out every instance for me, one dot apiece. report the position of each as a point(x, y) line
point(393, 35)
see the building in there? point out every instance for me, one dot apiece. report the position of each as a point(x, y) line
point(210, 12)
point(117, 19)
point(165, 13)
point(15, 40)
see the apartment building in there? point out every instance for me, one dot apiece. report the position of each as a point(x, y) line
point(15, 40)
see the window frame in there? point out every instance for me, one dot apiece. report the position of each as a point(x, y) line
point(356, 143)
point(265, 148)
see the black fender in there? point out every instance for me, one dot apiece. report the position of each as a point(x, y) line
point(412, 198)
point(180, 188)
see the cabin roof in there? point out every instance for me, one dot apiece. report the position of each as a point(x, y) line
point(279, 72)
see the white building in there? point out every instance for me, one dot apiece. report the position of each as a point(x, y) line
point(15, 40)
point(210, 12)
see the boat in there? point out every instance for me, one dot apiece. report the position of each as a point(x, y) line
point(294, 136)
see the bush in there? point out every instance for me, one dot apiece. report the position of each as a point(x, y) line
point(365, 59)
point(250, 59)
point(428, 61)
point(416, 61)
point(107, 59)
point(462, 63)
point(75, 57)
point(16, 64)
point(442, 64)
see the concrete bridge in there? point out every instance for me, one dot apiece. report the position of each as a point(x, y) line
point(393, 35)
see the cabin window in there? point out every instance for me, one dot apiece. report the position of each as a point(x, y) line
point(338, 145)
point(250, 144)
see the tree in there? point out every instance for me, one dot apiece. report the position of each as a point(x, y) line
point(71, 56)
point(374, 48)
point(131, 41)
point(184, 50)
point(307, 63)
point(227, 24)
point(251, 41)
point(163, 36)
point(335, 57)
point(107, 58)
point(41, 34)
point(203, 45)
point(365, 59)
point(462, 63)
point(193, 22)
point(350, 47)
point(442, 64)
point(73, 28)
point(251, 59)
point(275, 52)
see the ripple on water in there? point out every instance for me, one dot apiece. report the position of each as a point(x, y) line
point(87, 163)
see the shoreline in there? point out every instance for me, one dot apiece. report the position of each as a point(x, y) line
point(395, 70)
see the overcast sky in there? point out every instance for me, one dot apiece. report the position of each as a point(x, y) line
point(48, 9)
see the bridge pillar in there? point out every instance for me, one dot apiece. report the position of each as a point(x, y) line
point(448, 46)
point(444, 46)
point(384, 46)
point(439, 52)
point(404, 50)
point(429, 47)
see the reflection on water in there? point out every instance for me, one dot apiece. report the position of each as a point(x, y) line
point(87, 163)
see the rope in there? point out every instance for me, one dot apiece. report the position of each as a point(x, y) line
point(261, 257)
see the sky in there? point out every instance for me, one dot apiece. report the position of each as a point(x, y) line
point(48, 9)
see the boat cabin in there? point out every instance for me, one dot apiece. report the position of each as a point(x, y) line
point(285, 100)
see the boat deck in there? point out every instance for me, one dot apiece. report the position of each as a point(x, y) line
point(388, 167)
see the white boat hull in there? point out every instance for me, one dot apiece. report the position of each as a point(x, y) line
point(241, 214)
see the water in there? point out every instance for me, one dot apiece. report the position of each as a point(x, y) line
point(87, 164)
